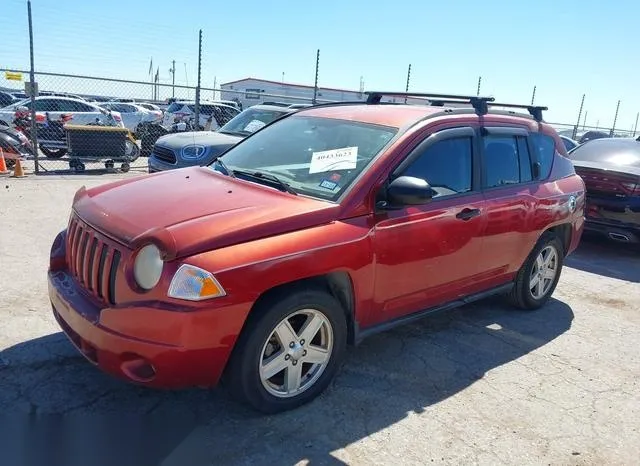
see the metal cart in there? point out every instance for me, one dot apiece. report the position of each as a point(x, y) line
point(97, 143)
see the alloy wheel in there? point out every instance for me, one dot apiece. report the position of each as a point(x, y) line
point(543, 272)
point(296, 353)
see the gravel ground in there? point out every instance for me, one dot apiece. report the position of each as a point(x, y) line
point(480, 385)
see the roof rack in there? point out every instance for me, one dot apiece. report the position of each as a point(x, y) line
point(479, 103)
point(534, 110)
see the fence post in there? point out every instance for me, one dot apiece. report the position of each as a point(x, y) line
point(615, 119)
point(198, 85)
point(575, 128)
point(408, 79)
point(32, 78)
point(533, 96)
point(479, 83)
point(635, 128)
point(315, 86)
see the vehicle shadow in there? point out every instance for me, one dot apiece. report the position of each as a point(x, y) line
point(608, 258)
point(385, 379)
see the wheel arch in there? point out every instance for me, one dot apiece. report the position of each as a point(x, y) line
point(563, 232)
point(338, 283)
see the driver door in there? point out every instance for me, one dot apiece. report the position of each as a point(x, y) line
point(427, 255)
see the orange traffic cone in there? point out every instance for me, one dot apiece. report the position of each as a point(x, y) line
point(3, 164)
point(18, 172)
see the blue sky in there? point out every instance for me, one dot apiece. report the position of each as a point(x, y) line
point(565, 48)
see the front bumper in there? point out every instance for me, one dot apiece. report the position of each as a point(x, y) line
point(146, 345)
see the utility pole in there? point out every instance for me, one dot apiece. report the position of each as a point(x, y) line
point(32, 93)
point(408, 80)
point(584, 122)
point(533, 97)
point(615, 119)
point(173, 79)
point(315, 86)
point(479, 82)
point(575, 130)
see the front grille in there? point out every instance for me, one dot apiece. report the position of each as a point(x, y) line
point(165, 154)
point(92, 261)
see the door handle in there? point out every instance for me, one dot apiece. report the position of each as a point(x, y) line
point(467, 214)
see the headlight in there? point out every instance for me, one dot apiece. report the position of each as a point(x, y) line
point(147, 267)
point(193, 152)
point(194, 284)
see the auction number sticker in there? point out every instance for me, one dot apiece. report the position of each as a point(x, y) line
point(335, 159)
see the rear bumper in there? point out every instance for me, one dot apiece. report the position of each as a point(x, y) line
point(619, 219)
point(190, 348)
point(614, 231)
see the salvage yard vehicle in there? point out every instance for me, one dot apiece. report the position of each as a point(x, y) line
point(610, 168)
point(330, 224)
point(215, 112)
point(186, 149)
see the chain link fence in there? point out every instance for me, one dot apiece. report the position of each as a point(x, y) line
point(87, 124)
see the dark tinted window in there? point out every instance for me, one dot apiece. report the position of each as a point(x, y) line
point(502, 161)
point(446, 166)
point(525, 160)
point(545, 147)
point(47, 105)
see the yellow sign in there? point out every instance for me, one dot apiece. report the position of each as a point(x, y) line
point(13, 76)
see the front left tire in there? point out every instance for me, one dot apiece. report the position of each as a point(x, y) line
point(289, 351)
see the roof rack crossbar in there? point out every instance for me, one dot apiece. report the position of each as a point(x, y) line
point(534, 110)
point(479, 103)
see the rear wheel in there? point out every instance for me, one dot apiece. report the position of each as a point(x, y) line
point(289, 351)
point(537, 279)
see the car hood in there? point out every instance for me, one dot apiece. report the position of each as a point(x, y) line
point(204, 138)
point(196, 209)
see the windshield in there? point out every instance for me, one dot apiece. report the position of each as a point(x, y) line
point(319, 157)
point(250, 121)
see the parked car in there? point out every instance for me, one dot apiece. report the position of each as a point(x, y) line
point(133, 114)
point(610, 169)
point(186, 149)
point(7, 99)
point(219, 113)
point(330, 224)
point(590, 135)
point(149, 106)
point(569, 143)
point(81, 111)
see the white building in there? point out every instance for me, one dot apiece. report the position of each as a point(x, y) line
point(253, 91)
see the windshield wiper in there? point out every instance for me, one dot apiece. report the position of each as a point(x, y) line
point(235, 133)
point(228, 171)
point(267, 176)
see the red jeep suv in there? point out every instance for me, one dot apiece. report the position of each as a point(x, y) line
point(323, 227)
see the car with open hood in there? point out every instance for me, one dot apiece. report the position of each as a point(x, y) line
point(324, 227)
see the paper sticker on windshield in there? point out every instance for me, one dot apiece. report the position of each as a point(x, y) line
point(254, 125)
point(336, 159)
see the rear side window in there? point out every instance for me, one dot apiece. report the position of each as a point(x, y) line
point(545, 147)
point(446, 165)
point(502, 161)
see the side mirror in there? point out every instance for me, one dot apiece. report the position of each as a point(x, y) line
point(407, 190)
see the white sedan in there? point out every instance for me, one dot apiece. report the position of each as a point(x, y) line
point(82, 112)
point(133, 114)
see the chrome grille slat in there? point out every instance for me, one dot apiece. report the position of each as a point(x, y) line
point(93, 261)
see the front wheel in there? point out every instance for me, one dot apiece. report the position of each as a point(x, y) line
point(538, 277)
point(289, 351)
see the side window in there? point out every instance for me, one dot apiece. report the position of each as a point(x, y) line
point(545, 147)
point(446, 165)
point(506, 160)
point(47, 105)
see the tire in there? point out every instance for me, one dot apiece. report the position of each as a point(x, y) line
point(259, 338)
point(53, 153)
point(528, 296)
point(135, 151)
